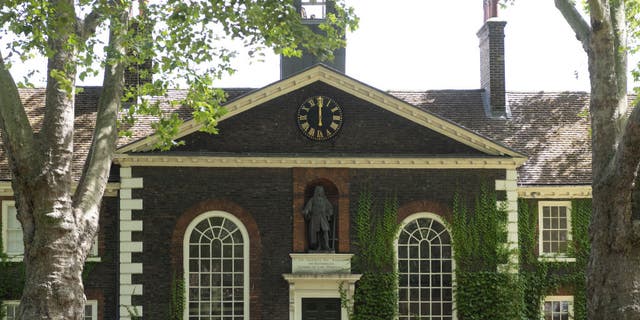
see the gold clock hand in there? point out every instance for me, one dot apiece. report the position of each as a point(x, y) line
point(320, 111)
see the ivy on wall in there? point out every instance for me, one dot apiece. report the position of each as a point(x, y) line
point(177, 303)
point(483, 289)
point(376, 296)
point(541, 278)
point(11, 278)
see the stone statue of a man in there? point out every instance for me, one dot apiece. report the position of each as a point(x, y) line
point(318, 212)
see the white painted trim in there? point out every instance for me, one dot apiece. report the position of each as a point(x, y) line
point(6, 189)
point(111, 190)
point(127, 226)
point(6, 204)
point(439, 219)
point(319, 285)
point(350, 86)
point(510, 186)
point(555, 192)
point(246, 257)
point(554, 256)
point(568, 299)
point(9, 302)
point(137, 160)
point(94, 308)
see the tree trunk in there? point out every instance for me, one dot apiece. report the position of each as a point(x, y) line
point(613, 274)
point(55, 252)
point(53, 285)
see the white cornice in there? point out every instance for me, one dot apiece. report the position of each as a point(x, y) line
point(351, 86)
point(555, 192)
point(137, 160)
point(110, 191)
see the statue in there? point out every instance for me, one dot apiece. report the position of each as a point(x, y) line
point(318, 212)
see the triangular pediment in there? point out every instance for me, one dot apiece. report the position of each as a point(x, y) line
point(380, 124)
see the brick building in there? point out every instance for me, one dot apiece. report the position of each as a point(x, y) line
point(223, 212)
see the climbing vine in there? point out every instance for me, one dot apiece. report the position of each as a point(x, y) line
point(484, 290)
point(11, 278)
point(376, 293)
point(541, 278)
point(177, 303)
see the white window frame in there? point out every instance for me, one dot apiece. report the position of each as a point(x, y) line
point(94, 309)
point(246, 257)
point(12, 256)
point(7, 303)
point(551, 256)
point(17, 257)
point(568, 299)
point(439, 219)
point(314, 5)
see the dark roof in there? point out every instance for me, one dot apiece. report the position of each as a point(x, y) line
point(551, 128)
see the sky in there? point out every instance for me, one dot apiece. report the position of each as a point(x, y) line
point(429, 44)
point(432, 44)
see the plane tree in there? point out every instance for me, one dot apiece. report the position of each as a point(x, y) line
point(182, 41)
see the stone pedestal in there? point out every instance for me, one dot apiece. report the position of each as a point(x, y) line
point(320, 275)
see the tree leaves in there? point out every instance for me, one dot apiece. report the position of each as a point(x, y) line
point(181, 43)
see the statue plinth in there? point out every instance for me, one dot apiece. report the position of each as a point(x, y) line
point(320, 275)
point(320, 263)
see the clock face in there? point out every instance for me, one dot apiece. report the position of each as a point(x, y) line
point(319, 118)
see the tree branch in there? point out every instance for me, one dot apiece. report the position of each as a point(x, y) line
point(575, 20)
point(627, 157)
point(618, 25)
point(17, 133)
point(98, 163)
point(87, 27)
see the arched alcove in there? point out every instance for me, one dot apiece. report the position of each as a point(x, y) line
point(333, 195)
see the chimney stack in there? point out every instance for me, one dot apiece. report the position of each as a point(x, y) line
point(139, 72)
point(492, 73)
point(312, 14)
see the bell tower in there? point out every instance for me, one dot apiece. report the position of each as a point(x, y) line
point(312, 13)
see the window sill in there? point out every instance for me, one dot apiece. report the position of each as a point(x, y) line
point(11, 258)
point(552, 258)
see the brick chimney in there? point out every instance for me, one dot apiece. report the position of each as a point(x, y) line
point(312, 14)
point(139, 73)
point(492, 74)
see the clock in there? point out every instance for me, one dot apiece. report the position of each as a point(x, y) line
point(319, 118)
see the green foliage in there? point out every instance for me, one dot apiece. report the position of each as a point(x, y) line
point(177, 304)
point(479, 242)
point(482, 295)
point(479, 238)
point(376, 296)
point(11, 277)
point(541, 278)
point(183, 43)
point(376, 292)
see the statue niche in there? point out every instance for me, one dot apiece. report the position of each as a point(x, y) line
point(320, 216)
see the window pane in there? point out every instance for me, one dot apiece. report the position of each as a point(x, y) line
point(217, 287)
point(425, 271)
point(12, 219)
point(12, 310)
point(14, 242)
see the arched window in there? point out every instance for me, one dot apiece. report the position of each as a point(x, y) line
point(216, 267)
point(425, 269)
